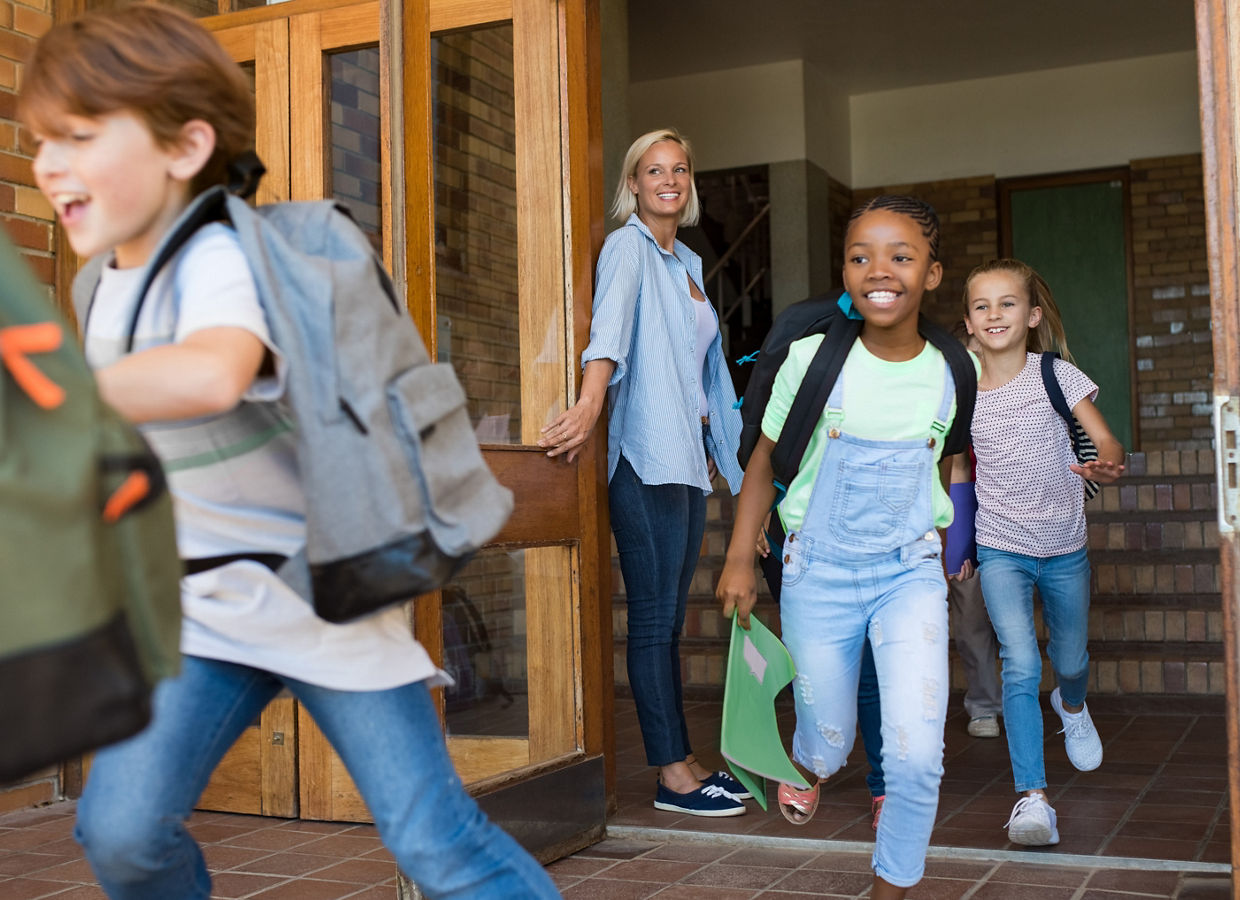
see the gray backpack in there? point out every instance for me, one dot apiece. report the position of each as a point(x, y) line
point(398, 497)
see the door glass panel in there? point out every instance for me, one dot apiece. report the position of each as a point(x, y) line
point(484, 645)
point(355, 162)
point(476, 224)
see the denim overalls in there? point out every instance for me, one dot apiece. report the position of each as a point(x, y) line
point(866, 560)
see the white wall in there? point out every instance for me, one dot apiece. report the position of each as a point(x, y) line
point(1079, 117)
point(828, 126)
point(734, 117)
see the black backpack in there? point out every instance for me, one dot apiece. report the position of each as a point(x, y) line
point(822, 315)
point(1082, 445)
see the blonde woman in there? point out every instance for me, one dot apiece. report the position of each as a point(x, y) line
point(655, 354)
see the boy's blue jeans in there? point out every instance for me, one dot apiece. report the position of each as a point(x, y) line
point(131, 818)
point(1008, 580)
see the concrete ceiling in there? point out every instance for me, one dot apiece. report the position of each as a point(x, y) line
point(874, 45)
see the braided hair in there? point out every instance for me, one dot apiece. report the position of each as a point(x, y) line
point(918, 210)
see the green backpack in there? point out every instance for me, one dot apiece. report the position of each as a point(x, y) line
point(90, 605)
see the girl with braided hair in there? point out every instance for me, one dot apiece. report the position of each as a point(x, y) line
point(863, 557)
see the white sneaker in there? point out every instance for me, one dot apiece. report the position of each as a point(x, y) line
point(1033, 822)
point(1080, 737)
point(986, 726)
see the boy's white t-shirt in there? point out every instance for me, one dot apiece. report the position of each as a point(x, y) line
point(1028, 500)
point(235, 488)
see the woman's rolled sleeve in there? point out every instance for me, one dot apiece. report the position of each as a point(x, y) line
point(615, 300)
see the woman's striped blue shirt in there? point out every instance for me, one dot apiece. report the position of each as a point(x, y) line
point(644, 321)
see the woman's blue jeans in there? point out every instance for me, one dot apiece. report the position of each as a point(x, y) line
point(658, 529)
point(1008, 580)
point(131, 818)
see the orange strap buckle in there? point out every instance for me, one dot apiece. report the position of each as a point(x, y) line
point(16, 342)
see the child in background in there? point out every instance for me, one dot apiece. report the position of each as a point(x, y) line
point(971, 629)
point(135, 111)
point(862, 559)
point(1031, 523)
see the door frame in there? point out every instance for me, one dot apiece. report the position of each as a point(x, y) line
point(1218, 62)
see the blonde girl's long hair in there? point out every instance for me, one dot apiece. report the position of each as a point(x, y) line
point(625, 202)
point(1049, 333)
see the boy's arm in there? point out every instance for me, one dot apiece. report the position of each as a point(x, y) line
point(206, 373)
point(737, 589)
point(1110, 463)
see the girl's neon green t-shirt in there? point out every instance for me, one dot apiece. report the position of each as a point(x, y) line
point(883, 401)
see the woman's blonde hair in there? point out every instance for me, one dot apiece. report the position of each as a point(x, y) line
point(1049, 333)
point(625, 203)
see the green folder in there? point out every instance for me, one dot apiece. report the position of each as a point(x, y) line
point(758, 669)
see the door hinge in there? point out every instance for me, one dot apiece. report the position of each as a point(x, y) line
point(1227, 461)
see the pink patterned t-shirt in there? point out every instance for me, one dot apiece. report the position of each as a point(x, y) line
point(1028, 501)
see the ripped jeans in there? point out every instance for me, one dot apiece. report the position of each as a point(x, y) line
point(899, 599)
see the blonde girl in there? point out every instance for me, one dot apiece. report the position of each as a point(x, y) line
point(1031, 523)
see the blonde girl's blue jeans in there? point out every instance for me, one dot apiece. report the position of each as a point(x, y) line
point(1008, 580)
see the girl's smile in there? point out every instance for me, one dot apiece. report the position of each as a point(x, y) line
point(887, 268)
point(1000, 314)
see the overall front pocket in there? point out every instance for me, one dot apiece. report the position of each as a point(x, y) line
point(872, 501)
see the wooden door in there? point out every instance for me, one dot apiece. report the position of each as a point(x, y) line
point(483, 196)
point(1073, 229)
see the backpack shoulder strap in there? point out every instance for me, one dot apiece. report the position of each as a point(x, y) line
point(811, 398)
point(208, 207)
point(1053, 390)
point(964, 373)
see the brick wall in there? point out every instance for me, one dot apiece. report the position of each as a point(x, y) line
point(1171, 291)
point(475, 222)
point(355, 139)
point(24, 214)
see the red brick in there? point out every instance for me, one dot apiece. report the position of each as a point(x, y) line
point(31, 21)
point(15, 46)
point(29, 234)
point(16, 169)
point(43, 267)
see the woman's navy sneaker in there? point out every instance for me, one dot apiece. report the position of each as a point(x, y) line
point(708, 800)
point(728, 783)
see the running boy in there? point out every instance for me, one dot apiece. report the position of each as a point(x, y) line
point(135, 111)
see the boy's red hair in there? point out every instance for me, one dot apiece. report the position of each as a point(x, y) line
point(153, 61)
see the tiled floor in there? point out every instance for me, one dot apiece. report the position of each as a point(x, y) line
point(1161, 791)
point(1152, 822)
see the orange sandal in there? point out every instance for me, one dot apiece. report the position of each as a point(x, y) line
point(798, 806)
